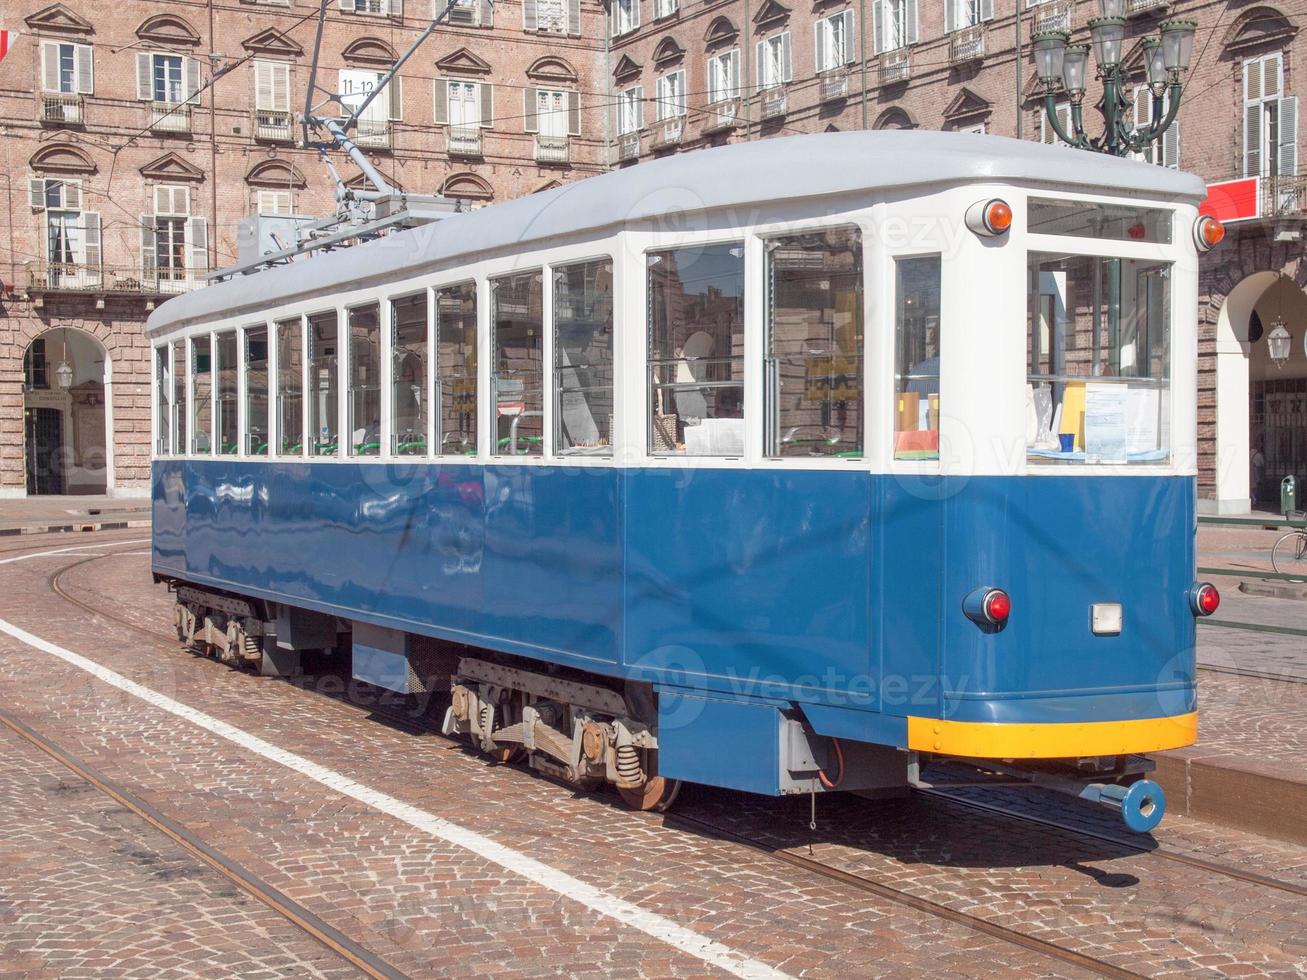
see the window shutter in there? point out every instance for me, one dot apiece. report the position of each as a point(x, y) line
point(910, 30)
point(951, 16)
point(986, 10)
point(1252, 79)
point(1171, 145)
point(395, 93)
point(347, 5)
point(197, 244)
point(530, 19)
point(486, 97)
point(91, 240)
point(635, 14)
point(574, 17)
point(850, 46)
point(148, 259)
point(733, 85)
point(878, 41)
point(1287, 163)
point(761, 62)
point(85, 58)
point(191, 69)
point(819, 44)
point(72, 195)
point(1272, 75)
point(441, 101)
point(1252, 139)
point(50, 67)
point(679, 77)
point(787, 59)
point(36, 192)
point(145, 77)
point(529, 98)
point(262, 85)
point(574, 114)
point(397, 8)
point(280, 87)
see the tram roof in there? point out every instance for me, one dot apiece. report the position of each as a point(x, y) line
point(791, 168)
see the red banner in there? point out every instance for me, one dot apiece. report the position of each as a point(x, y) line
point(6, 39)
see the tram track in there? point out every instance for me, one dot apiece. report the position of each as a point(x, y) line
point(789, 857)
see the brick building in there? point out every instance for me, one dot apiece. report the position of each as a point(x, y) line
point(520, 100)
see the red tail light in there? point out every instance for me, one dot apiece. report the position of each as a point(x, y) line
point(1204, 599)
point(997, 607)
point(1208, 233)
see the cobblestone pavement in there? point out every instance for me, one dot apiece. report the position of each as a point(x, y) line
point(430, 907)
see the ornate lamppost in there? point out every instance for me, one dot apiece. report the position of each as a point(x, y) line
point(1063, 65)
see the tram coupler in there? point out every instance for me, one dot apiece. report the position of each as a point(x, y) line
point(1142, 804)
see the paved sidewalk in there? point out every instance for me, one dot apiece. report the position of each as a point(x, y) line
point(37, 515)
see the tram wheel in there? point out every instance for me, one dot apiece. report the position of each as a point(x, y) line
point(657, 794)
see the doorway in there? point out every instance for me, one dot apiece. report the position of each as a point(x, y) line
point(67, 443)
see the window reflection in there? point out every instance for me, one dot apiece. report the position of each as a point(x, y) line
point(583, 357)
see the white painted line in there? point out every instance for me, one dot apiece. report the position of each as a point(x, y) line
point(650, 923)
point(76, 547)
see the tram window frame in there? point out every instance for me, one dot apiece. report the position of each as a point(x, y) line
point(226, 401)
point(181, 359)
point(163, 397)
point(249, 337)
point(371, 392)
point(315, 431)
point(293, 328)
point(601, 444)
point(466, 408)
point(1084, 344)
point(904, 375)
point(533, 443)
point(201, 408)
point(777, 434)
point(665, 430)
point(415, 440)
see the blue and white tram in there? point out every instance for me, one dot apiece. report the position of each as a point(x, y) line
point(781, 466)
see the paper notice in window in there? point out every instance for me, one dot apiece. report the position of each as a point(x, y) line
point(1106, 437)
point(1142, 417)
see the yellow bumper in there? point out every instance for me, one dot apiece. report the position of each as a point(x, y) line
point(983, 740)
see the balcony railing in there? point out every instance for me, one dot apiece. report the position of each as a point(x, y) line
point(966, 45)
point(895, 66)
point(66, 277)
point(374, 133)
point(465, 141)
point(669, 131)
point(773, 103)
point(721, 115)
point(1133, 8)
point(273, 126)
point(628, 146)
point(169, 117)
point(1284, 196)
point(1053, 16)
point(552, 149)
point(834, 85)
point(59, 109)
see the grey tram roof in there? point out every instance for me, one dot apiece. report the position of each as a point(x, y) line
point(793, 168)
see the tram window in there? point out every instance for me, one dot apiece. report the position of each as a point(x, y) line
point(163, 401)
point(324, 414)
point(583, 358)
point(290, 387)
point(516, 311)
point(1097, 219)
point(365, 381)
point(179, 396)
point(814, 345)
point(408, 390)
point(1098, 346)
point(696, 350)
point(256, 391)
point(227, 373)
point(916, 357)
point(456, 369)
point(201, 396)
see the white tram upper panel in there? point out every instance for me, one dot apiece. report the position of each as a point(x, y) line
point(770, 176)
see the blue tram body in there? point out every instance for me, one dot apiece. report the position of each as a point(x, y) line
point(754, 622)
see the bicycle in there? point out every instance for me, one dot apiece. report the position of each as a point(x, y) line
point(1289, 554)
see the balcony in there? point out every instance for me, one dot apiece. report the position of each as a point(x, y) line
point(170, 117)
point(895, 67)
point(773, 103)
point(1053, 16)
point(1134, 8)
point(628, 147)
point(966, 45)
point(669, 132)
point(63, 277)
point(273, 127)
point(465, 141)
point(373, 133)
point(553, 149)
point(59, 109)
point(1284, 197)
point(834, 86)
point(721, 116)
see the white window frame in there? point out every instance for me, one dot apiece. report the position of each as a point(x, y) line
point(720, 87)
point(775, 61)
point(272, 86)
point(835, 41)
point(896, 24)
point(275, 202)
point(483, 99)
point(630, 110)
point(373, 8)
point(664, 9)
point(961, 14)
point(1272, 150)
point(81, 79)
point(1165, 151)
point(625, 17)
point(1046, 132)
point(670, 95)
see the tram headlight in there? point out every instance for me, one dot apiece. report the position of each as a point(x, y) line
point(990, 218)
point(1208, 233)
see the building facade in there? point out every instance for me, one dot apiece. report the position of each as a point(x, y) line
point(139, 133)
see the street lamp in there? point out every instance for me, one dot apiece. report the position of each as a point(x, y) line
point(1061, 65)
point(1279, 342)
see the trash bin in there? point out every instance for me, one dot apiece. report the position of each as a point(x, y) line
point(1288, 495)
